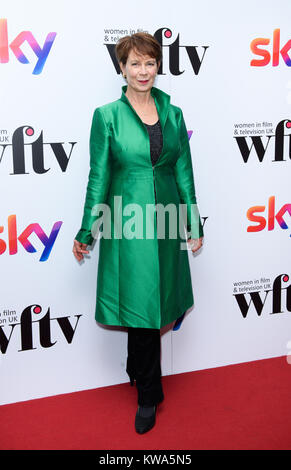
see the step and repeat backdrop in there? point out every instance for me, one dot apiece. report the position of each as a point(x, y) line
point(228, 66)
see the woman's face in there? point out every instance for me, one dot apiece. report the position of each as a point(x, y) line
point(140, 71)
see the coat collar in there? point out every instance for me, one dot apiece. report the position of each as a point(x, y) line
point(162, 101)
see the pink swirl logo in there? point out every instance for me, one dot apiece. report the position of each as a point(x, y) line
point(15, 46)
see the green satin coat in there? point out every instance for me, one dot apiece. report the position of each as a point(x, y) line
point(143, 283)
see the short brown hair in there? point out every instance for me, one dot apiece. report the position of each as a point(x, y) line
point(142, 43)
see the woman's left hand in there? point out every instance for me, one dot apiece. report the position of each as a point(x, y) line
point(195, 243)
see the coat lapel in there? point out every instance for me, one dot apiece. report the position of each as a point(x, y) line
point(162, 101)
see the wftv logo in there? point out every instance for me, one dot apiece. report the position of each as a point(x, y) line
point(270, 217)
point(274, 55)
point(15, 46)
point(29, 316)
point(173, 51)
point(13, 238)
point(36, 149)
point(255, 296)
point(247, 144)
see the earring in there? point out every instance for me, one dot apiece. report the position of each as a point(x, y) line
point(124, 76)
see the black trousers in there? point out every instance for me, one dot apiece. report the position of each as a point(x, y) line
point(144, 364)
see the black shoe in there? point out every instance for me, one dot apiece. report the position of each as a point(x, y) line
point(144, 423)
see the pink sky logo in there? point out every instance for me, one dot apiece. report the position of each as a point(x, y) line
point(274, 53)
point(15, 47)
point(14, 238)
point(269, 219)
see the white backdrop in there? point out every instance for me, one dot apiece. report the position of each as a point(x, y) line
point(50, 342)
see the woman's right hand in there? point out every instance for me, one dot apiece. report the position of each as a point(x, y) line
point(195, 243)
point(78, 250)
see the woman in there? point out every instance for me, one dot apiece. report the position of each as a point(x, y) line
point(139, 151)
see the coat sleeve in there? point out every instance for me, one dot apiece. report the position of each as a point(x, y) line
point(184, 176)
point(99, 175)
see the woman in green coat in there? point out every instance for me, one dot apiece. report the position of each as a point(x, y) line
point(139, 159)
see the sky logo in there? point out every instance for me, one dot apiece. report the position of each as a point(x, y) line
point(275, 52)
point(269, 219)
point(15, 47)
point(14, 238)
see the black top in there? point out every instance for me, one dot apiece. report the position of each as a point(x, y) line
point(156, 140)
